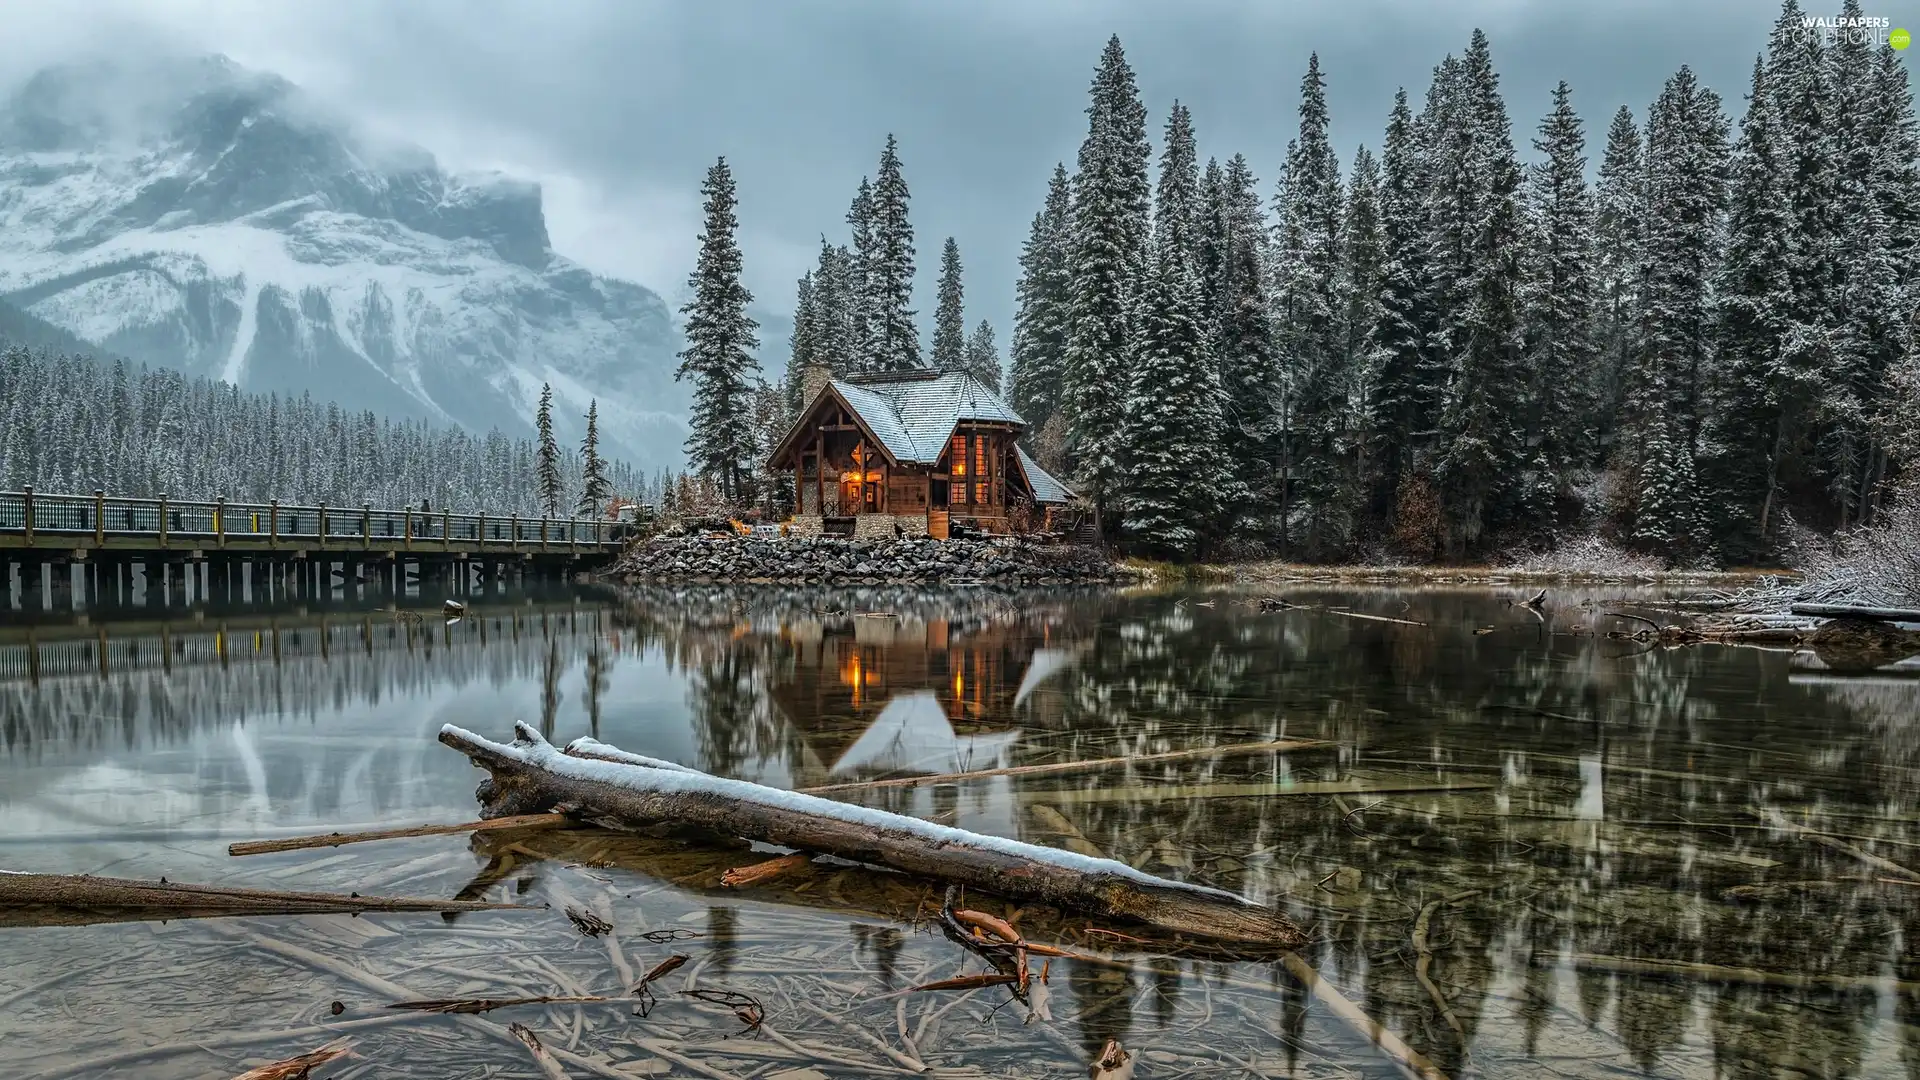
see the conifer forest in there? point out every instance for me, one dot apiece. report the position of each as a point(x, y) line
point(1688, 328)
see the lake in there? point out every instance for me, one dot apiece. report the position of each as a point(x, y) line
point(1528, 848)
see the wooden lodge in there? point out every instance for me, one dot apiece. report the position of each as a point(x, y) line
point(913, 453)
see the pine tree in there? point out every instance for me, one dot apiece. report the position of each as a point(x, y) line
point(1319, 377)
point(1405, 390)
point(1111, 222)
point(1173, 415)
point(1559, 316)
point(896, 340)
point(949, 326)
point(1249, 363)
point(983, 356)
point(837, 329)
point(1869, 322)
point(803, 347)
point(863, 262)
point(721, 339)
point(1481, 439)
point(551, 487)
point(1045, 295)
point(1760, 402)
point(594, 485)
point(1360, 289)
point(1685, 172)
point(1619, 233)
point(1177, 198)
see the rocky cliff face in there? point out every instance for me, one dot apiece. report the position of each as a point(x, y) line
point(197, 215)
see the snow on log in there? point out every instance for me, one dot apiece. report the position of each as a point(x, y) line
point(531, 775)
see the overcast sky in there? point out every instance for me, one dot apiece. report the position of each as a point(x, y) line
point(618, 106)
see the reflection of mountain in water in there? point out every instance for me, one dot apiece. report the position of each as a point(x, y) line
point(85, 689)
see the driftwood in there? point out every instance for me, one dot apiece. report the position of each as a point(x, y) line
point(1854, 611)
point(299, 1066)
point(335, 839)
point(68, 900)
point(531, 776)
point(1412, 1061)
point(1061, 768)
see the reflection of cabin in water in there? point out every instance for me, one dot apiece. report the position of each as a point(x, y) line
point(910, 453)
point(894, 695)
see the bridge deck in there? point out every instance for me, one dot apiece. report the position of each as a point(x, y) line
point(73, 525)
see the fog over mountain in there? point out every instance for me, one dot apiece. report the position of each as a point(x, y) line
point(195, 214)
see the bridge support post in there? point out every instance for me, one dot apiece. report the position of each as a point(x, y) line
point(32, 587)
point(90, 581)
point(176, 576)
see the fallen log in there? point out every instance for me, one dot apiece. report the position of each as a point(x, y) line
point(82, 900)
point(335, 839)
point(531, 776)
point(1856, 611)
point(1060, 768)
point(299, 1066)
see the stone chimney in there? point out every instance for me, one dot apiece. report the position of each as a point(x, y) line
point(813, 379)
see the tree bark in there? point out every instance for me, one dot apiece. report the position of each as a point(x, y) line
point(530, 776)
point(67, 900)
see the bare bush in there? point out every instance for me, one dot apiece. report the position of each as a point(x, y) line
point(1876, 565)
point(1585, 556)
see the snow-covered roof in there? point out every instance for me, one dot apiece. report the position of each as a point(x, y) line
point(914, 414)
point(1046, 489)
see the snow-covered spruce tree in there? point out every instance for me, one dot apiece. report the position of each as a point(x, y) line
point(1619, 239)
point(1173, 414)
point(1482, 434)
point(1760, 399)
point(863, 258)
point(1870, 321)
point(983, 356)
point(1041, 319)
point(1319, 380)
point(1361, 263)
point(721, 339)
point(595, 487)
point(1686, 150)
point(771, 490)
point(1243, 343)
point(803, 348)
point(896, 340)
point(1360, 288)
point(551, 486)
point(837, 326)
point(1405, 392)
point(1176, 211)
point(1111, 224)
point(1559, 309)
point(949, 317)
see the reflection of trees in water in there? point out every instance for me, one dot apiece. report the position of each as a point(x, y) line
point(1629, 785)
point(160, 688)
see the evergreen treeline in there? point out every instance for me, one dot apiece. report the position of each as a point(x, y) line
point(74, 424)
point(1438, 349)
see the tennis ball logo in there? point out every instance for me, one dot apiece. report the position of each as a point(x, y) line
point(1899, 39)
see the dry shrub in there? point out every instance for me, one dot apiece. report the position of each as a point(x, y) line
point(1876, 565)
point(1587, 555)
point(1418, 525)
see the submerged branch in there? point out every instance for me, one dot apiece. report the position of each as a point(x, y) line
point(68, 900)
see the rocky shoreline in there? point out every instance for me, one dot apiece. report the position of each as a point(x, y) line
point(836, 561)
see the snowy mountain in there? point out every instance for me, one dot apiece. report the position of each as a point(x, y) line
point(197, 215)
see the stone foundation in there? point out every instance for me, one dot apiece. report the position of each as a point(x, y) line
point(806, 525)
point(889, 526)
point(797, 559)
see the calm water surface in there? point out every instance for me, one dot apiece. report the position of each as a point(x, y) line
point(1531, 804)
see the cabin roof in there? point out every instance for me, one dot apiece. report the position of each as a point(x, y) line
point(1046, 489)
point(913, 414)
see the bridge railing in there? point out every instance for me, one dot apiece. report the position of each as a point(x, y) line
point(72, 516)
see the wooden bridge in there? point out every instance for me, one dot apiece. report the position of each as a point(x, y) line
point(229, 550)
